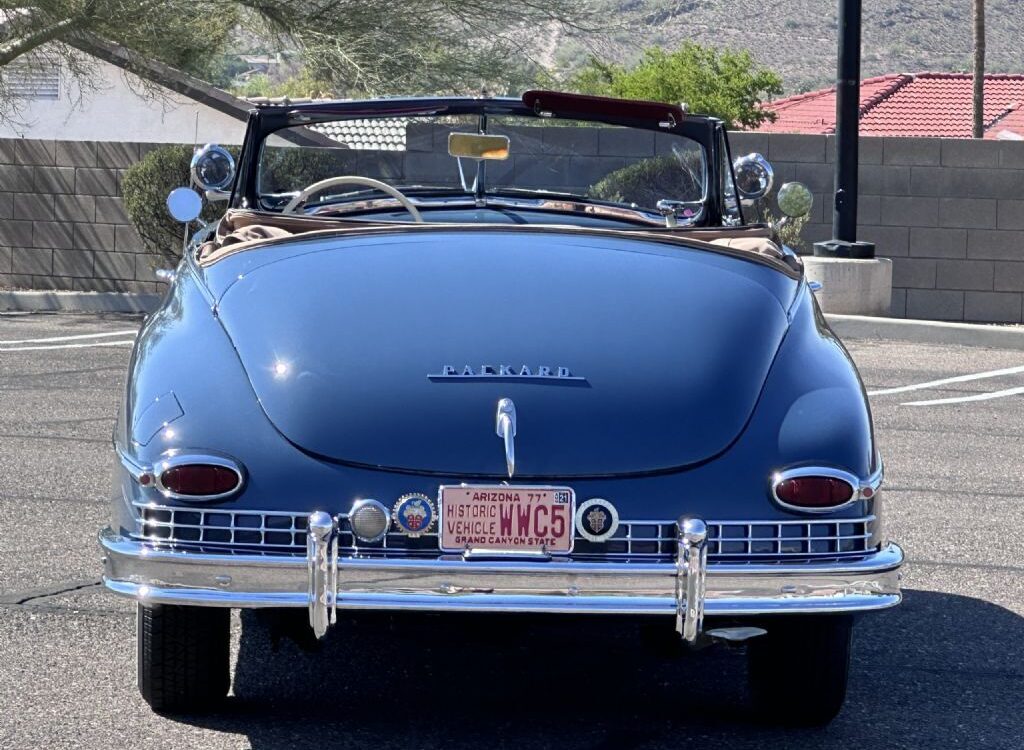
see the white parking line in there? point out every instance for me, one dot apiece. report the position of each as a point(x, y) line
point(964, 399)
point(81, 336)
point(67, 346)
point(944, 381)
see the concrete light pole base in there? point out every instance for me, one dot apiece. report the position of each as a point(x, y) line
point(850, 286)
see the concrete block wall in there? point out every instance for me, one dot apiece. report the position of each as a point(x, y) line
point(555, 158)
point(62, 224)
point(948, 212)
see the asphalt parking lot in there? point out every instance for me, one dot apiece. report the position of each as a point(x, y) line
point(946, 669)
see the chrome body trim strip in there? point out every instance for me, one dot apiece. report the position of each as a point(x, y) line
point(135, 469)
point(874, 481)
point(155, 575)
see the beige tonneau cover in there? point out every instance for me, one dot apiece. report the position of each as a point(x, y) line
point(243, 229)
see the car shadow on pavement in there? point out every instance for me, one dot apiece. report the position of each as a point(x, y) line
point(941, 669)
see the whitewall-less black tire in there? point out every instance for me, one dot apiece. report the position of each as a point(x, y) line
point(799, 669)
point(183, 656)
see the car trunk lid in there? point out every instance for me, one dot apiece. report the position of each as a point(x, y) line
point(393, 351)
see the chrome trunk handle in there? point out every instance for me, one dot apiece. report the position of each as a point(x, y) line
point(505, 427)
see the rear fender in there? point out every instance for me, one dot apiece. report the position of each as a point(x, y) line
point(187, 391)
point(814, 409)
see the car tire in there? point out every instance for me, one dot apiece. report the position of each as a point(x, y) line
point(799, 669)
point(183, 656)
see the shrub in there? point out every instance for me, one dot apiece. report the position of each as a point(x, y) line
point(146, 184)
point(646, 182)
point(790, 233)
point(678, 178)
point(144, 189)
point(287, 169)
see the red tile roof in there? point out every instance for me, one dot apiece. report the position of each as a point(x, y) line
point(925, 104)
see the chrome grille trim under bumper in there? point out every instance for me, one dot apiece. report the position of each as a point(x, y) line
point(323, 580)
point(281, 532)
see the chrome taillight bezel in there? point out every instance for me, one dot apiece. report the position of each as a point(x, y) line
point(861, 489)
point(178, 459)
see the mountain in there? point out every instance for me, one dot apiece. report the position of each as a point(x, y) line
point(797, 38)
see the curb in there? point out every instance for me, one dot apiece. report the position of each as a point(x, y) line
point(927, 331)
point(85, 302)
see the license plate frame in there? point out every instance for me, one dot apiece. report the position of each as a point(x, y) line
point(568, 500)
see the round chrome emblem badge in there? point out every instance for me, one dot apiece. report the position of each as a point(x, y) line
point(414, 514)
point(597, 520)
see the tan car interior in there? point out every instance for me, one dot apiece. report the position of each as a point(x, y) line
point(242, 229)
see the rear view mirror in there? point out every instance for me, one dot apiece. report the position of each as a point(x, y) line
point(184, 204)
point(477, 146)
point(795, 199)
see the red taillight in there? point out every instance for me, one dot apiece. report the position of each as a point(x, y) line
point(814, 492)
point(199, 480)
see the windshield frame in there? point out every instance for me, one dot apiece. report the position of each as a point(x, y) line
point(708, 132)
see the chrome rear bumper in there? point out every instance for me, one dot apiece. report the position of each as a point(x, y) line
point(322, 581)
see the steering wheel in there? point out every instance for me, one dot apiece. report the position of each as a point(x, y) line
point(316, 187)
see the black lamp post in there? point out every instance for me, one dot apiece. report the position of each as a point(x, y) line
point(844, 242)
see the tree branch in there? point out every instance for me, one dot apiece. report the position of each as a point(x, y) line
point(18, 47)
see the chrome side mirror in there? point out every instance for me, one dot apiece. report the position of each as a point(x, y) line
point(184, 204)
point(754, 176)
point(795, 199)
point(212, 168)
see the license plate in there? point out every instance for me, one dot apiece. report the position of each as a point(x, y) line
point(507, 518)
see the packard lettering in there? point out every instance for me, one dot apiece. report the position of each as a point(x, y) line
point(506, 372)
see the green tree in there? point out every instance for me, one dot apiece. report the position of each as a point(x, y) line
point(298, 86)
point(355, 46)
point(726, 84)
point(181, 33)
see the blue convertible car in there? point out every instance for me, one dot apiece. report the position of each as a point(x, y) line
point(496, 355)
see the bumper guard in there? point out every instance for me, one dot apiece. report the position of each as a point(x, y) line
point(323, 582)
